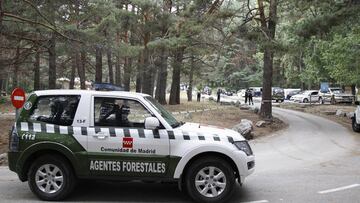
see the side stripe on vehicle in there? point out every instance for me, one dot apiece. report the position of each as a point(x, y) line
point(121, 132)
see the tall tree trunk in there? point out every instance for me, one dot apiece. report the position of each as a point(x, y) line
point(16, 67)
point(147, 74)
point(73, 70)
point(110, 65)
point(160, 93)
point(37, 70)
point(269, 29)
point(98, 64)
point(1, 11)
point(81, 68)
point(139, 74)
point(191, 78)
point(175, 85)
point(52, 61)
point(127, 73)
point(118, 70)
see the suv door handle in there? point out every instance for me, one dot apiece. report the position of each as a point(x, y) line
point(101, 135)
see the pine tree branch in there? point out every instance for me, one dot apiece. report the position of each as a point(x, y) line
point(38, 11)
point(9, 15)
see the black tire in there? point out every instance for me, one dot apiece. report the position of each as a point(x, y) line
point(305, 100)
point(321, 101)
point(68, 182)
point(202, 164)
point(355, 126)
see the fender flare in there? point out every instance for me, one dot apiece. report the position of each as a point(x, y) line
point(45, 145)
point(199, 150)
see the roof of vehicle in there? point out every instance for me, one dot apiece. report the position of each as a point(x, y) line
point(311, 91)
point(92, 92)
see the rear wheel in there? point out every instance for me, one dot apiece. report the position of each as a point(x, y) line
point(51, 178)
point(210, 180)
point(355, 126)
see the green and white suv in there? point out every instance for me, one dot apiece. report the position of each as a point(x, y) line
point(65, 135)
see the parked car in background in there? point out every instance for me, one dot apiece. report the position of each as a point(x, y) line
point(241, 93)
point(335, 95)
point(207, 90)
point(291, 93)
point(257, 91)
point(278, 94)
point(306, 96)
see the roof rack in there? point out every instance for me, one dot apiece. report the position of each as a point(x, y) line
point(107, 87)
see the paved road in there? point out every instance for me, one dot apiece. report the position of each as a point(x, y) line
point(313, 160)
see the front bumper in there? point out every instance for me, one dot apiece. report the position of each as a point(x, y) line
point(245, 164)
point(344, 99)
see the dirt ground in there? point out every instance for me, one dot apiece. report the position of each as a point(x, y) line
point(229, 117)
point(5, 126)
point(327, 111)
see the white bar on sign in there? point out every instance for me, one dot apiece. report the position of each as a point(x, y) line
point(18, 98)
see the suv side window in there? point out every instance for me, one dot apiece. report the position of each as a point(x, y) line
point(118, 112)
point(58, 110)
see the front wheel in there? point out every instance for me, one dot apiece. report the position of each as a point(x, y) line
point(210, 180)
point(305, 100)
point(355, 126)
point(51, 178)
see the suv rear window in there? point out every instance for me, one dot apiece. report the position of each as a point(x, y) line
point(59, 110)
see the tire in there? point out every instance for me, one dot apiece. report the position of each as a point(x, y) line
point(52, 168)
point(204, 166)
point(305, 100)
point(355, 126)
point(321, 101)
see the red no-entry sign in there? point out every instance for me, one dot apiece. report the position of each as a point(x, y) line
point(18, 97)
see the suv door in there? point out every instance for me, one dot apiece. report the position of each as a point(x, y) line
point(119, 144)
point(314, 96)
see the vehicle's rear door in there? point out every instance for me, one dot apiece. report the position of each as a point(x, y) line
point(118, 143)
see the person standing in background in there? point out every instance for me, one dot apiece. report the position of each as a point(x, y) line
point(250, 98)
point(246, 96)
point(198, 96)
point(218, 95)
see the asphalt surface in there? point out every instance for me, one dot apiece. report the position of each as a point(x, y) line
point(313, 160)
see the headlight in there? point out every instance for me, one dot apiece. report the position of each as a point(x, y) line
point(244, 146)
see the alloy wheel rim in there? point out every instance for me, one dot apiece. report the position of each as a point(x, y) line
point(210, 181)
point(49, 178)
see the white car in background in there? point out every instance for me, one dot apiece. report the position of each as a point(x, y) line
point(306, 96)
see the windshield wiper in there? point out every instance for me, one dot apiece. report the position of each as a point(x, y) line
point(178, 124)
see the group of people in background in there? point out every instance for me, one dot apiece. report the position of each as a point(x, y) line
point(249, 96)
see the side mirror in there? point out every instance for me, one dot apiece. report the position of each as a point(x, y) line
point(357, 103)
point(151, 123)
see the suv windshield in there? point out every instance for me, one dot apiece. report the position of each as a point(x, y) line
point(337, 91)
point(163, 112)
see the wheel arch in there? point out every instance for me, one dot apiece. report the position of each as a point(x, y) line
point(186, 161)
point(39, 149)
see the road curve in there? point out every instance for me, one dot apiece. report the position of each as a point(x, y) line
point(313, 160)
